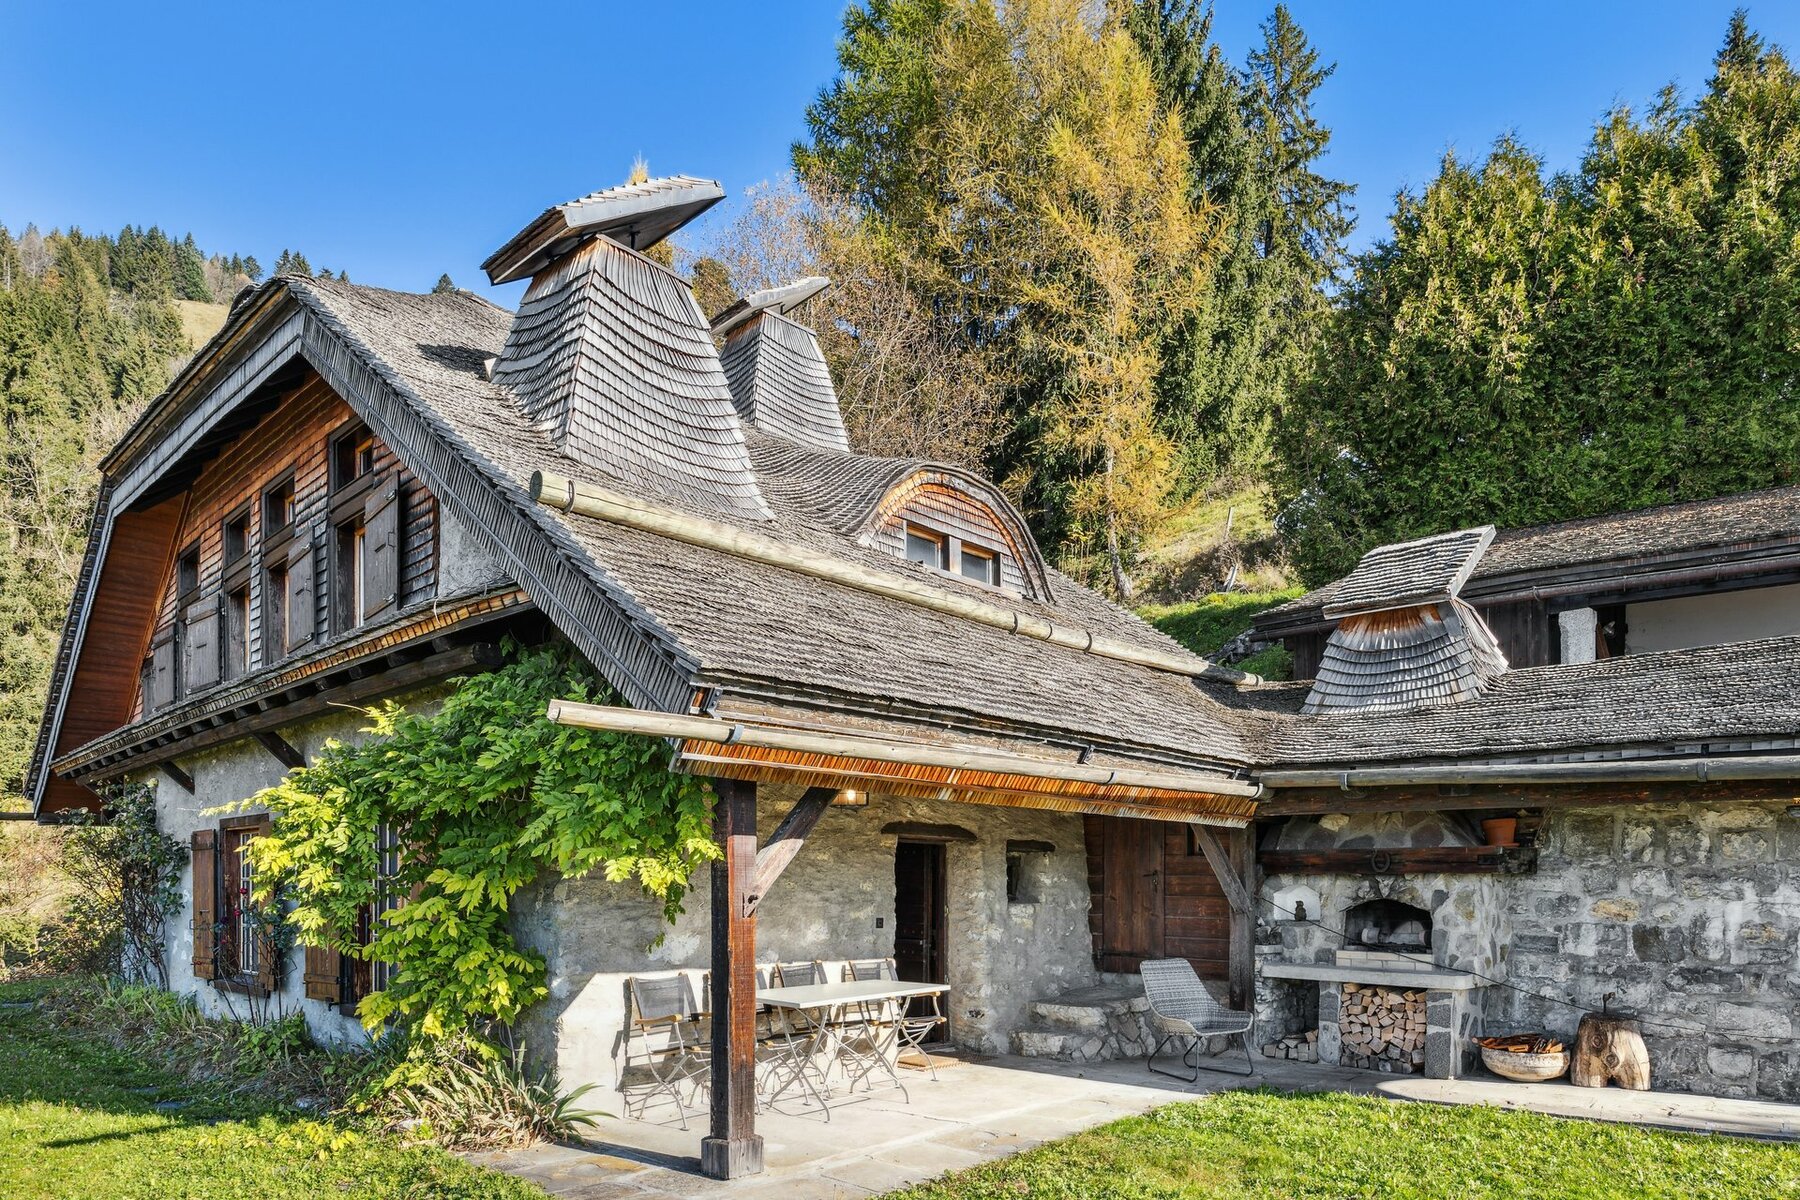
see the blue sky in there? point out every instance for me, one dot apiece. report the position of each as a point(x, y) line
point(398, 140)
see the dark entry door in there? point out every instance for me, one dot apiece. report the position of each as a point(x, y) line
point(919, 914)
point(1132, 910)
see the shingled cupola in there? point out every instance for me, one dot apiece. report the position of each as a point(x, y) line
point(777, 372)
point(611, 356)
point(1403, 638)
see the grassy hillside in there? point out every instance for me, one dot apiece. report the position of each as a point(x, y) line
point(200, 320)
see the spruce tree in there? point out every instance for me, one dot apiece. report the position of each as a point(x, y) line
point(252, 269)
point(443, 285)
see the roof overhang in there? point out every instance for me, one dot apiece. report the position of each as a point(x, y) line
point(636, 216)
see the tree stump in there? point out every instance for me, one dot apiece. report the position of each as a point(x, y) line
point(1610, 1049)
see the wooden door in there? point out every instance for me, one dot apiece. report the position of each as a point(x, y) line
point(920, 915)
point(1132, 913)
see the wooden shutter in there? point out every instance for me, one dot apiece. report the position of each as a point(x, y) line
point(200, 645)
point(205, 859)
point(162, 670)
point(381, 549)
point(302, 615)
point(321, 977)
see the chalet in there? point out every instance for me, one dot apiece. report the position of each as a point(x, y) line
point(951, 753)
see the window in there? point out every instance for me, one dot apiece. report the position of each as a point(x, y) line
point(241, 948)
point(348, 576)
point(237, 632)
point(352, 456)
point(236, 536)
point(187, 571)
point(928, 546)
point(278, 508)
point(980, 565)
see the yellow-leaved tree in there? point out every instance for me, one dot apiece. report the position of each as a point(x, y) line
point(1119, 255)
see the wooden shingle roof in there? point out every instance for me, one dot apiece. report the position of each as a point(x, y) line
point(781, 384)
point(637, 215)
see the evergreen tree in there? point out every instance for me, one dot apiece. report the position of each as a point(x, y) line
point(443, 285)
point(190, 271)
point(252, 269)
point(1525, 349)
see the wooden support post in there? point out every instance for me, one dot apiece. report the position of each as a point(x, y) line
point(173, 770)
point(1231, 878)
point(1241, 962)
point(785, 842)
point(733, 1149)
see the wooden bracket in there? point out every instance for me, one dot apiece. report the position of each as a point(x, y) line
point(173, 770)
point(785, 843)
point(283, 752)
point(1220, 861)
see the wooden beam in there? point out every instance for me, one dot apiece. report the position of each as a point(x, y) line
point(281, 749)
point(927, 831)
point(1402, 860)
point(1231, 878)
point(463, 660)
point(173, 770)
point(1301, 802)
point(733, 1149)
point(1241, 959)
point(785, 843)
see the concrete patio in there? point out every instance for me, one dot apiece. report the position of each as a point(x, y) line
point(988, 1108)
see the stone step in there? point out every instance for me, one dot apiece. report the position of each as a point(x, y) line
point(1049, 1043)
point(1076, 1018)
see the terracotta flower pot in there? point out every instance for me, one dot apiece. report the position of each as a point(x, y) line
point(1500, 831)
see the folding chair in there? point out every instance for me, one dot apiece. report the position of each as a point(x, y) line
point(672, 1047)
point(911, 1028)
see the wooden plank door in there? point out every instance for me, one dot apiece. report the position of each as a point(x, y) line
point(1132, 908)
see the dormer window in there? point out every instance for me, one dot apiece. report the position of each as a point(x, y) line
point(928, 546)
point(983, 566)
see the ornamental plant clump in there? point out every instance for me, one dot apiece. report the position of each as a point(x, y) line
point(483, 795)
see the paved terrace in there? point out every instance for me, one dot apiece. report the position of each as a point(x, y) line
point(987, 1108)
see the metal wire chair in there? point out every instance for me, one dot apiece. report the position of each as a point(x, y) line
point(799, 974)
point(671, 1045)
point(1181, 1009)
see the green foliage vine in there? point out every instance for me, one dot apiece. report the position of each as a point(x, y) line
point(484, 794)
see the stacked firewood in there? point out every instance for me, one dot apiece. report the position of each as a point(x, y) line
point(1382, 1028)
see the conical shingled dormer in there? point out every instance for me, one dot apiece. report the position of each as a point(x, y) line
point(610, 355)
point(778, 376)
point(1404, 639)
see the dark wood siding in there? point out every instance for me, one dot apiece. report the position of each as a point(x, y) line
point(1522, 627)
point(294, 440)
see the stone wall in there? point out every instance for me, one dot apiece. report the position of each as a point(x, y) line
point(228, 775)
point(835, 902)
point(1687, 914)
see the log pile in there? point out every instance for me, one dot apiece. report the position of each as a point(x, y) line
point(1382, 1029)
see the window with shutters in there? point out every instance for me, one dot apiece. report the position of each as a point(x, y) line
point(187, 572)
point(201, 650)
point(233, 945)
point(352, 456)
point(234, 536)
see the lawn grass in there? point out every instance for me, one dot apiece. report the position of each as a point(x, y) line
point(1260, 1144)
point(79, 1120)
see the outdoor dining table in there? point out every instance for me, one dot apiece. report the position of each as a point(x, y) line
point(822, 1009)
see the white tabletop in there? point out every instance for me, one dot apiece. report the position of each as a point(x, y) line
point(823, 995)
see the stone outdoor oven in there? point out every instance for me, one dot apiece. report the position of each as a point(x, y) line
point(1383, 962)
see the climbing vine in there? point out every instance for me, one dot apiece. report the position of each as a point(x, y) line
point(482, 795)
